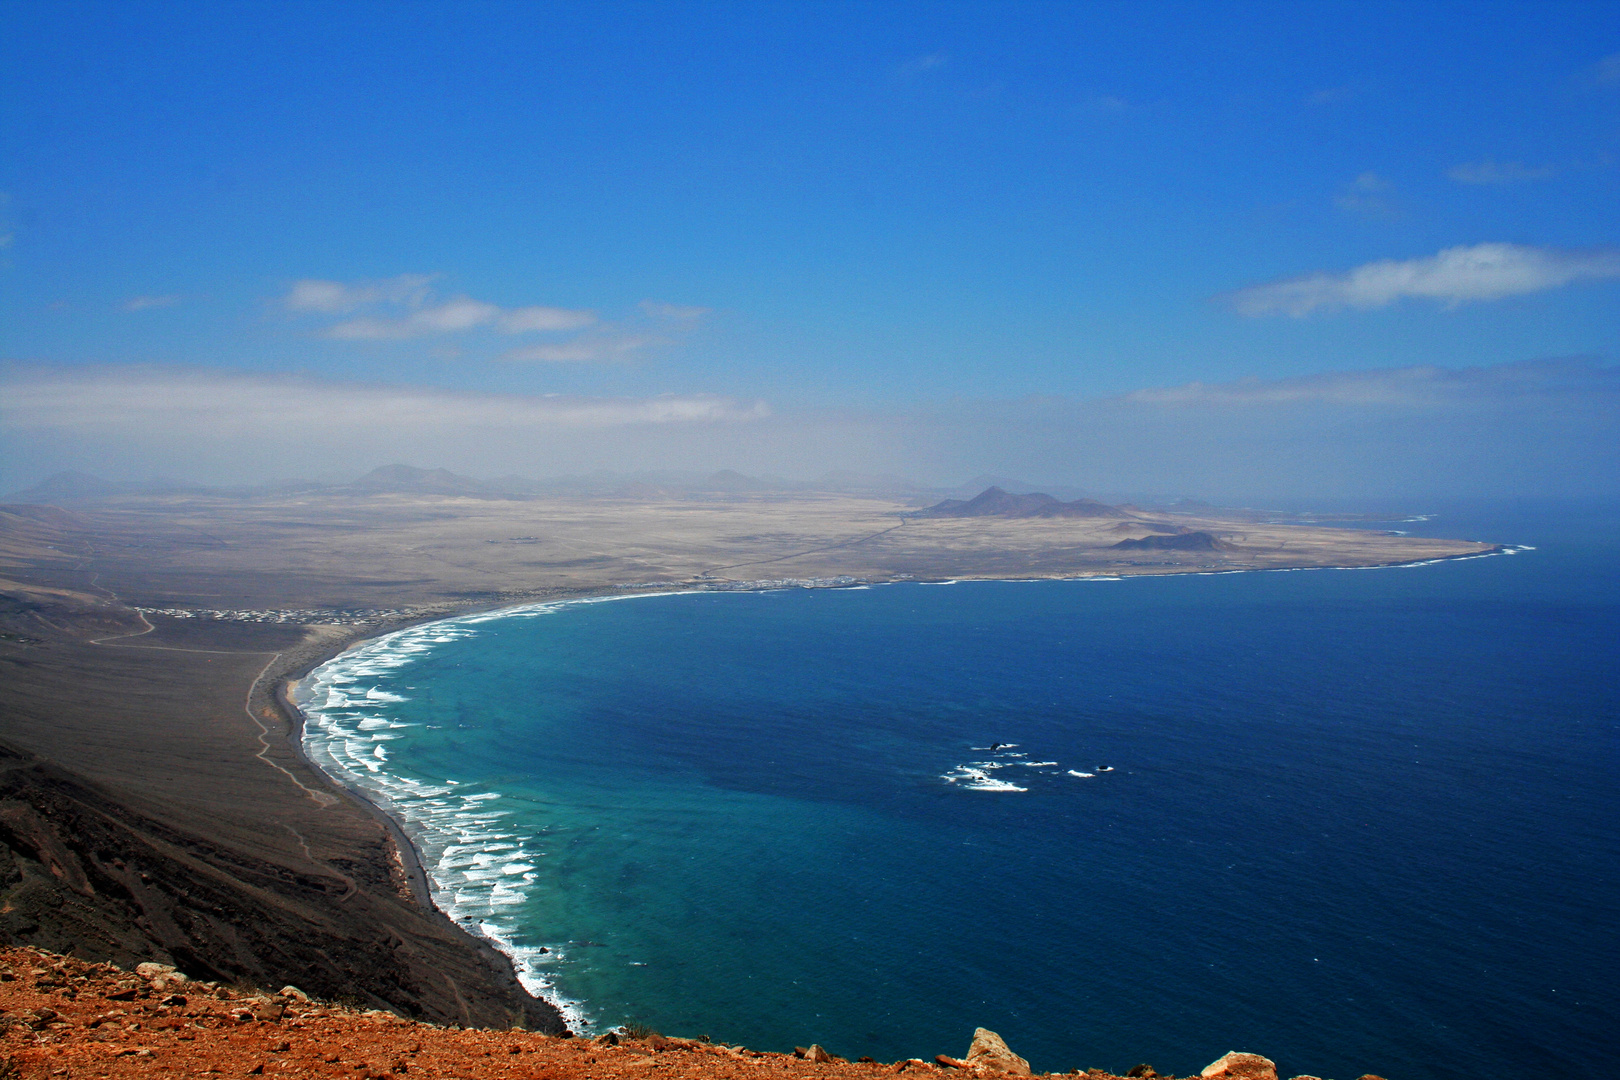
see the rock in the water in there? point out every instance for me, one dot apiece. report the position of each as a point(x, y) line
point(990, 1054)
point(1236, 1066)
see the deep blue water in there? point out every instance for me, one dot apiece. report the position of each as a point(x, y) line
point(1358, 821)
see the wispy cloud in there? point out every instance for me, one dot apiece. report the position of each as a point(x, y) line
point(677, 313)
point(1329, 95)
point(1454, 276)
point(1368, 195)
point(1419, 386)
point(1606, 72)
point(204, 401)
point(337, 297)
point(1533, 428)
point(605, 347)
point(141, 303)
point(1499, 172)
point(537, 318)
point(660, 323)
point(921, 64)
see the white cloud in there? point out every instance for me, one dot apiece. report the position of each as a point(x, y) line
point(336, 297)
point(1498, 172)
point(584, 350)
point(1456, 275)
point(141, 303)
point(1537, 428)
point(186, 402)
point(524, 319)
point(404, 307)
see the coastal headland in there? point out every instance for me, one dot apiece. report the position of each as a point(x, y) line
point(155, 806)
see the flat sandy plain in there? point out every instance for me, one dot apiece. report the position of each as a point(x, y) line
point(153, 804)
point(400, 550)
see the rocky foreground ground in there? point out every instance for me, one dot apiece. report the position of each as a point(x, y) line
point(63, 1017)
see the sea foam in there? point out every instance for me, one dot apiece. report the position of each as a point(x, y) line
point(479, 873)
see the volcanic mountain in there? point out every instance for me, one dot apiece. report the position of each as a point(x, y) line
point(994, 502)
point(1187, 541)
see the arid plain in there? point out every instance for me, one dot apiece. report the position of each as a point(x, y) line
point(153, 801)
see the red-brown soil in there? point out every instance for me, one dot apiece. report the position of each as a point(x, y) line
point(63, 1017)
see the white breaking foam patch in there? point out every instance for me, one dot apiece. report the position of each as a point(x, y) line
point(976, 777)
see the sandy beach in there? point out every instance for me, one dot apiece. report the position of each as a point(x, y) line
point(170, 812)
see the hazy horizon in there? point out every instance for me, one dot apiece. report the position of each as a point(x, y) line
point(1288, 251)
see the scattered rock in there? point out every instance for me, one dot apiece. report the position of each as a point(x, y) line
point(1303, 1076)
point(950, 1062)
point(814, 1054)
point(150, 970)
point(268, 1010)
point(294, 993)
point(1143, 1070)
point(1239, 1066)
point(990, 1054)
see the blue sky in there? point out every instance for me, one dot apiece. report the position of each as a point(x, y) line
point(797, 236)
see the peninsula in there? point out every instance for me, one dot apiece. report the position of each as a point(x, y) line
point(154, 803)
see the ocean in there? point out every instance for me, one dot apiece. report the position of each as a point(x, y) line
point(1358, 821)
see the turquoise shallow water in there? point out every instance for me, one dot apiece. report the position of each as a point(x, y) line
point(1361, 821)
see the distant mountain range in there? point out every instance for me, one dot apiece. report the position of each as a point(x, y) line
point(997, 495)
point(995, 502)
point(409, 480)
point(405, 479)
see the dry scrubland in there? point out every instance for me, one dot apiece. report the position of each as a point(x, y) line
point(153, 803)
point(393, 549)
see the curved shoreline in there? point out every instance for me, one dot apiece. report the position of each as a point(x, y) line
point(416, 876)
point(412, 868)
